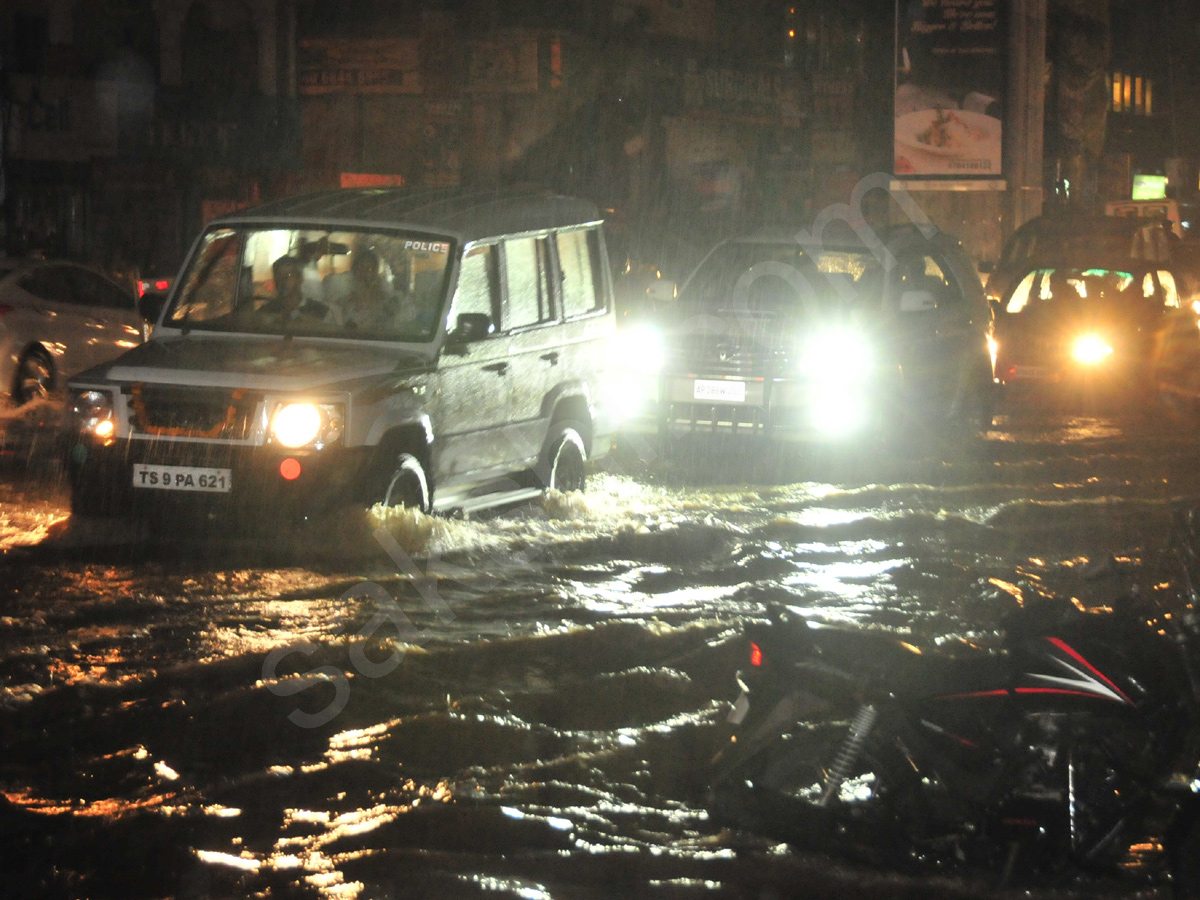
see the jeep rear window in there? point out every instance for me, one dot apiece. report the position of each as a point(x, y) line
point(315, 282)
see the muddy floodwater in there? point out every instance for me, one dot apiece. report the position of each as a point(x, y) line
point(519, 704)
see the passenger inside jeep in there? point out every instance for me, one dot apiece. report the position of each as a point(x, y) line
point(362, 297)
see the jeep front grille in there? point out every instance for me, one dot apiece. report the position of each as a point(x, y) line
point(214, 414)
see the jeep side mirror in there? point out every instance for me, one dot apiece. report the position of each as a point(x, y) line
point(917, 301)
point(468, 328)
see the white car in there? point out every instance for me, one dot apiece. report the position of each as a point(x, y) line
point(58, 318)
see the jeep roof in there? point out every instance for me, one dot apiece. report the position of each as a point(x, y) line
point(464, 213)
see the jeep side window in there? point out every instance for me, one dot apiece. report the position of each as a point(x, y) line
point(575, 262)
point(527, 300)
point(476, 293)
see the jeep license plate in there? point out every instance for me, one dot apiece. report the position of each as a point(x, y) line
point(722, 391)
point(182, 478)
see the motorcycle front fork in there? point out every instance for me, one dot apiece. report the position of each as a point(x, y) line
point(849, 752)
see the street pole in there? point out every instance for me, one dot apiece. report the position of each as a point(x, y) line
point(1027, 102)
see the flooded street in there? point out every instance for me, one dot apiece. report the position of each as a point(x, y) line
point(519, 704)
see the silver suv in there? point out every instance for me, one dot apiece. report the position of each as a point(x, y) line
point(437, 349)
point(831, 340)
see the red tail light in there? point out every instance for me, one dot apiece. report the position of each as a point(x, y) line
point(756, 656)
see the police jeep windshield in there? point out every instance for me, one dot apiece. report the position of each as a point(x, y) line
point(316, 283)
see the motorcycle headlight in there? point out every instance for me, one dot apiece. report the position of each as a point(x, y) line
point(1091, 349)
point(93, 412)
point(841, 354)
point(296, 425)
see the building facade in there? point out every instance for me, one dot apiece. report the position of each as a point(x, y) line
point(127, 123)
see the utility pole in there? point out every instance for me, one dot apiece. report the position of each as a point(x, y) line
point(1023, 136)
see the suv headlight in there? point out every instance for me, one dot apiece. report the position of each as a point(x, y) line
point(93, 413)
point(295, 425)
point(838, 355)
point(640, 349)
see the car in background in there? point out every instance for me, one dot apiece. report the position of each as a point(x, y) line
point(152, 295)
point(648, 263)
point(1091, 328)
point(641, 291)
point(1082, 239)
point(825, 341)
point(58, 318)
point(1174, 365)
point(1182, 217)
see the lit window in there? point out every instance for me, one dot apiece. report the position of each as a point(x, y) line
point(1132, 94)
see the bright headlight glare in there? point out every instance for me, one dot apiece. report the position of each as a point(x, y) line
point(304, 424)
point(640, 349)
point(838, 354)
point(1091, 349)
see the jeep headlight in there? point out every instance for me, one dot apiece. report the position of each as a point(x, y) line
point(296, 425)
point(93, 412)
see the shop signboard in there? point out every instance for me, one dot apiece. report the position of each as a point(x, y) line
point(503, 65)
point(751, 96)
point(63, 119)
point(369, 66)
point(950, 63)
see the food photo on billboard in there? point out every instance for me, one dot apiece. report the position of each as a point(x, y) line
point(949, 84)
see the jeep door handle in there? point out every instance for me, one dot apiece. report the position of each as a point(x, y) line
point(551, 357)
point(498, 367)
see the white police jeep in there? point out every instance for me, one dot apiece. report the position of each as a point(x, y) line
point(432, 348)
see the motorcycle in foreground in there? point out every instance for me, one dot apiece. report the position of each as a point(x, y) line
point(1073, 750)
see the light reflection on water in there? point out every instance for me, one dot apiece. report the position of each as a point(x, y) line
point(574, 685)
